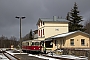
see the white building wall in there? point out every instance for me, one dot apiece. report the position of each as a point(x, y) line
point(52, 28)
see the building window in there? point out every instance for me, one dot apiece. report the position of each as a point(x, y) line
point(82, 42)
point(72, 42)
point(43, 23)
point(43, 31)
point(39, 24)
point(39, 32)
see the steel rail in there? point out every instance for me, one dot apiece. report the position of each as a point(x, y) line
point(10, 57)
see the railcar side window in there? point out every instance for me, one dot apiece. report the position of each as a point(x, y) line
point(36, 43)
point(27, 43)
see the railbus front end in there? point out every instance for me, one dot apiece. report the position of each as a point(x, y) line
point(31, 46)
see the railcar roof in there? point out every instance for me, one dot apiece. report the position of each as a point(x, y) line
point(32, 41)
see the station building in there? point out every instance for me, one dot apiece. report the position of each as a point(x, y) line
point(54, 32)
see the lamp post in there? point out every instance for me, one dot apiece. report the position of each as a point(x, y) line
point(20, 31)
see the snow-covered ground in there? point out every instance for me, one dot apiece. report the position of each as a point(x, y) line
point(2, 57)
point(12, 53)
point(69, 56)
point(60, 56)
point(43, 57)
point(54, 55)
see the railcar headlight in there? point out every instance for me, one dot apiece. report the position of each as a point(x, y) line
point(34, 48)
point(39, 48)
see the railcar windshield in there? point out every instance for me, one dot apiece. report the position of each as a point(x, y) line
point(37, 43)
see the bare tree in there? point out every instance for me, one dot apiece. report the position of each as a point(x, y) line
point(87, 26)
point(6, 43)
point(13, 41)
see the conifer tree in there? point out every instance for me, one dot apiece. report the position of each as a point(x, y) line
point(75, 19)
point(30, 35)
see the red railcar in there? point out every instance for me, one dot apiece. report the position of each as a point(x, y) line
point(31, 46)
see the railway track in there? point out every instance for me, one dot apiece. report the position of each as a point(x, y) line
point(33, 57)
point(10, 57)
point(57, 57)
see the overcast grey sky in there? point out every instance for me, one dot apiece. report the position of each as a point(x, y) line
point(33, 10)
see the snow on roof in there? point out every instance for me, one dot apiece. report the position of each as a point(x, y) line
point(59, 20)
point(51, 20)
point(66, 34)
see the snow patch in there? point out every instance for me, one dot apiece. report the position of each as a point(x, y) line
point(43, 57)
point(68, 56)
point(2, 57)
point(11, 52)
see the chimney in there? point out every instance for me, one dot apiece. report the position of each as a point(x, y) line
point(54, 18)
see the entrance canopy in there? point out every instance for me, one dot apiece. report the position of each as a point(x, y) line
point(48, 39)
